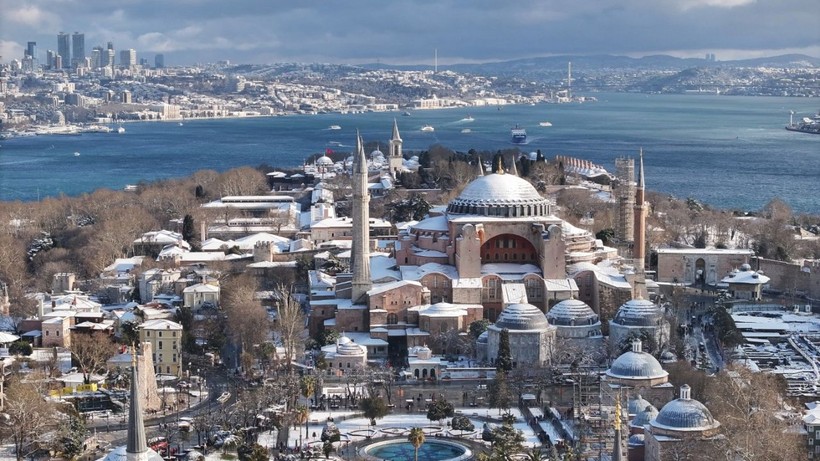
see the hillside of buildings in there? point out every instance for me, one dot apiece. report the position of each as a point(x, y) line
point(583, 307)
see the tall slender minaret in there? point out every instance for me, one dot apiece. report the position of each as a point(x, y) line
point(136, 448)
point(639, 239)
point(396, 157)
point(360, 255)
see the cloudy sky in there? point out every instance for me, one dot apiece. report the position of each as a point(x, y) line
point(407, 31)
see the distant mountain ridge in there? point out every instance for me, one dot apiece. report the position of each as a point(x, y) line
point(605, 61)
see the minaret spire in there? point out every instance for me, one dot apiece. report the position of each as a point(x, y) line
point(396, 158)
point(480, 167)
point(639, 239)
point(360, 264)
point(136, 427)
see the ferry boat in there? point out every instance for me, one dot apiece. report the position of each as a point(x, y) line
point(519, 135)
point(466, 130)
point(334, 127)
point(809, 125)
point(120, 130)
point(545, 124)
point(468, 118)
point(427, 128)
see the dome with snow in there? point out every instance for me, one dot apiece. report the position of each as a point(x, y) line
point(522, 316)
point(571, 312)
point(636, 364)
point(638, 312)
point(685, 415)
point(500, 194)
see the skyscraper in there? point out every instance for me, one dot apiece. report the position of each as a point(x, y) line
point(50, 55)
point(31, 49)
point(78, 49)
point(159, 61)
point(128, 58)
point(97, 57)
point(64, 48)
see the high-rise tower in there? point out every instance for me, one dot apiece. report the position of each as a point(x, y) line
point(360, 255)
point(77, 49)
point(396, 156)
point(31, 49)
point(639, 239)
point(64, 48)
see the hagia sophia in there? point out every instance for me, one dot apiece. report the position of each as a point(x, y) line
point(497, 252)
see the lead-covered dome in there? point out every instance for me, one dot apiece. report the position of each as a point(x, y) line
point(522, 316)
point(636, 364)
point(644, 417)
point(324, 160)
point(685, 414)
point(500, 194)
point(637, 404)
point(572, 312)
point(638, 312)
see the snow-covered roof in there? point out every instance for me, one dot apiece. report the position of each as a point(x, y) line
point(383, 288)
point(160, 324)
point(160, 237)
point(433, 223)
point(745, 276)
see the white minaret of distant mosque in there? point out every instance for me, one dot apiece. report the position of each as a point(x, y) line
point(396, 157)
point(360, 255)
point(639, 239)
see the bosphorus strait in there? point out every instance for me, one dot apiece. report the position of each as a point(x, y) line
point(730, 152)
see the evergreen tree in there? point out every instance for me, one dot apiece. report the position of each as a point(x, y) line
point(503, 361)
point(188, 228)
point(499, 393)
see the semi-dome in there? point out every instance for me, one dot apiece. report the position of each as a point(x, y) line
point(638, 312)
point(502, 195)
point(443, 309)
point(636, 364)
point(685, 414)
point(644, 417)
point(522, 316)
point(571, 312)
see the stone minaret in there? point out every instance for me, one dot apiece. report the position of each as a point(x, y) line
point(639, 239)
point(136, 448)
point(360, 255)
point(396, 156)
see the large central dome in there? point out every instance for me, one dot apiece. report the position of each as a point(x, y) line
point(500, 194)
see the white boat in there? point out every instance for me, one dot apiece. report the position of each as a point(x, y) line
point(468, 118)
point(120, 130)
point(545, 124)
point(427, 128)
point(334, 127)
point(76, 154)
point(180, 123)
point(466, 130)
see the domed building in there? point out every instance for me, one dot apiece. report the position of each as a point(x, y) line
point(637, 438)
point(636, 318)
point(345, 355)
point(576, 323)
point(532, 338)
point(683, 420)
point(642, 372)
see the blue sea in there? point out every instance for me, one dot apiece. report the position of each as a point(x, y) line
point(727, 151)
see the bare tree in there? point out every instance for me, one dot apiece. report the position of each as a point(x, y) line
point(28, 416)
point(290, 325)
point(247, 320)
point(91, 352)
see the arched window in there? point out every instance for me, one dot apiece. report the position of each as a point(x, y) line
point(392, 319)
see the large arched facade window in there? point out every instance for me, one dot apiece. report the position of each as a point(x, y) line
point(508, 248)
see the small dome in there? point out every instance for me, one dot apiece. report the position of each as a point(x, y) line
point(636, 405)
point(349, 348)
point(343, 340)
point(636, 364)
point(636, 440)
point(500, 194)
point(638, 312)
point(571, 312)
point(685, 414)
point(443, 309)
point(644, 417)
point(120, 454)
point(745, 267)
point(376, 154)
point(522, 316)
point(324, 160)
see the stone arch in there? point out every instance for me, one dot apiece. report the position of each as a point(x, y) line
point(502, 247)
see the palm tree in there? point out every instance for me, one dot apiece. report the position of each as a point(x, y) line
point(416, 438)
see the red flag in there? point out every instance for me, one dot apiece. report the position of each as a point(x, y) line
point(328, 151)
